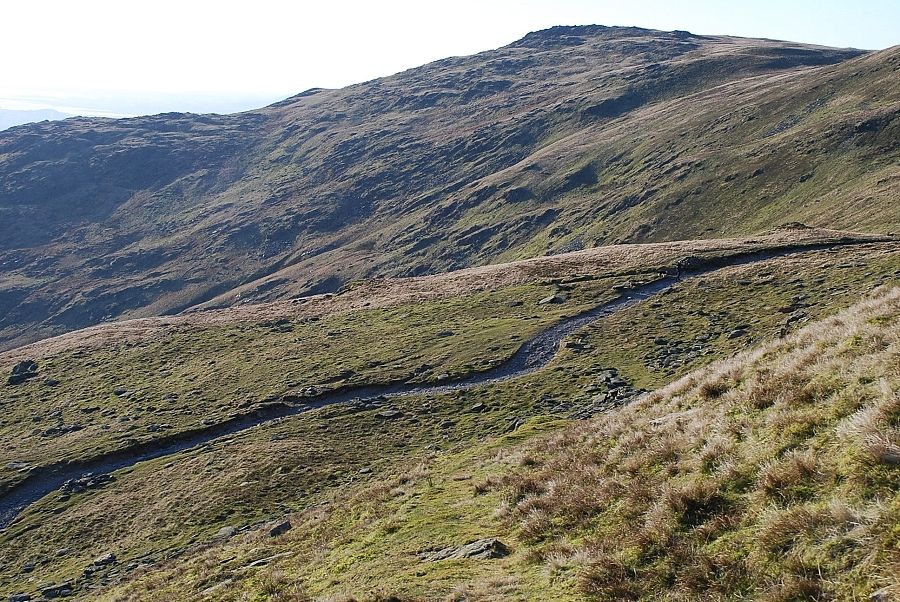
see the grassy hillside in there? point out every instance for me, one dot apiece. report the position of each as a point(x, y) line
point(774, 474)
point(97, 393)
point(190, 303)
point(352, 472)
point(569, 138)
point(771, 475)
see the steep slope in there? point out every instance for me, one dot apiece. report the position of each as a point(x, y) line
point(568, 138)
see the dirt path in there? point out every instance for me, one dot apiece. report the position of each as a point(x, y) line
point(530, 357)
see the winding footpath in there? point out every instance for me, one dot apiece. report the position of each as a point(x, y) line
point(530, 357)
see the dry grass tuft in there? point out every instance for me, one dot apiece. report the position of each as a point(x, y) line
point(487, 485)
point(782, 479)
point(277, 587)
point(722, 483)
point(485, 590)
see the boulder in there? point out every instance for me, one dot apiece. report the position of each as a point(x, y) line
point(105, 559)
point(390, 414)
point(88, 481)
point(23, 371)
point(576, 345)
point(279, 528)
point(61, 429)
point(481, 549)
point(882, 595)
point(552, 299)
point(227, 532)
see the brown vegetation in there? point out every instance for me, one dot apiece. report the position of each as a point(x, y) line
point(773, 475)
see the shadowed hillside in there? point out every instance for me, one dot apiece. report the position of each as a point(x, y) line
point(572, 137)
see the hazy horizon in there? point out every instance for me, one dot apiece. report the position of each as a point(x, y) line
point(112, 60)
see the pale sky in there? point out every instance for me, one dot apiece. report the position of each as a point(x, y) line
point(131, 56)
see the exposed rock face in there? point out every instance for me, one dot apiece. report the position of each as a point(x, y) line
point(609, 391)
point(482, 549)
point(57, 591)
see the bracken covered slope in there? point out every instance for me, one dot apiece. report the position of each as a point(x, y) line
point(568, 138)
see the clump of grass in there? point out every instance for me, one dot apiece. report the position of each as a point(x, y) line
point(788, 478)
point(874, 430)
point(278, 587)
point(484, 590)
point(712, 389)
point(486, 485)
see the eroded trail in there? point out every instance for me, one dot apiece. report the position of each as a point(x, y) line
point(530, 357)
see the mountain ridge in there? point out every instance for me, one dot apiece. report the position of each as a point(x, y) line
point(402, 175)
